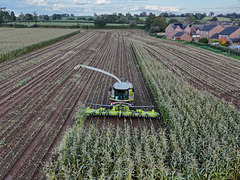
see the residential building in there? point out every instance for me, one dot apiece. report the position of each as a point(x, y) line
point(230, 34)
point(209, 30)
point(182, 36)
point(173, 29)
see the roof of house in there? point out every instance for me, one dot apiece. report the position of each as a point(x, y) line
point(200, 26)
point(215, 36)
point(209, 27)
point(235, 39)
point(182, 26)
point(179, 34)
point(229, 30)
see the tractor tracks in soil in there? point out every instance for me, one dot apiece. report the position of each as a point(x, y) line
point(35, 113)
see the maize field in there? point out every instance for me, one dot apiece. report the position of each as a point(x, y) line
point(197, 136)
point(16, 38)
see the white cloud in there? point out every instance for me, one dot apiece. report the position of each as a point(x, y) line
point(58, 7)
point(100, 2)
point(136, 8)
point(36, 2)
point(82, 2)
point(163, 8)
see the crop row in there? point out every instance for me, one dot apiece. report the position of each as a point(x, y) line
point(206, 71)
point(12, 38)
point(203, 131)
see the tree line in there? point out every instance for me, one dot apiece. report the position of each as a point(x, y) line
point(153, 23)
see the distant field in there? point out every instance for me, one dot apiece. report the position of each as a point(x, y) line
point(178, 18)
point(143, 18)
point(15, 38)
point(219, 19)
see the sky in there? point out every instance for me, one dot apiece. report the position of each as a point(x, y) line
point(89, 7)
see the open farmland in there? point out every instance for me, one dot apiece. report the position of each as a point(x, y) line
point(16, 38)
point(40, 91)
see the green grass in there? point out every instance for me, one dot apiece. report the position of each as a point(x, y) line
point(143, 18)
point(181, 19)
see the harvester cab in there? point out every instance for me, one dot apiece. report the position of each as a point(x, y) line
point(122, 92)
point(121, 96)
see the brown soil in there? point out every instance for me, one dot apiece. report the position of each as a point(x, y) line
point(40, 91)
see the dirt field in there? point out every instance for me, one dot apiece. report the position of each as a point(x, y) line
point(40, 91)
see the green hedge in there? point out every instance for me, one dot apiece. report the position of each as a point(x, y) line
point(221, 48)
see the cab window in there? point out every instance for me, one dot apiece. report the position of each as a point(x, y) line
point(121, 94)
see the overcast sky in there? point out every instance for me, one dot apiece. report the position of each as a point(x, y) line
point(89, 7)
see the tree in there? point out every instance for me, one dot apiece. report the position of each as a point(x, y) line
point(13, 17)
point(222, 41)
point(35, 17)
point(4, 15)
point(123, 19)
point(190, 18)
point(143, 14)
point(214, 18)
point(232, 18)
point(29, 17)
point(56, 16)
point(203, 40)
point(211, 14)
point(46, 17)
point(173, 21)
point(100, 22)
point(21, 17)
point(149, 20)
point(158, 25)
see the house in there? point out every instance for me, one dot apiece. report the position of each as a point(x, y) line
point(173, 29)
point(230, 34)
point(195, 31)
point(235, 41)
point(209, 30)
point(197, 28)
point(182, 36)
point(223, 23)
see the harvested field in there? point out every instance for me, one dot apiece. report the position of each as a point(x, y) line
point(40, 91)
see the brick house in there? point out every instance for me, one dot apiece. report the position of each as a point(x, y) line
point(197, 28)
point(182, 36)
point(230, 34)
point(173, 29)
point(195, 31)
point(209, 30)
